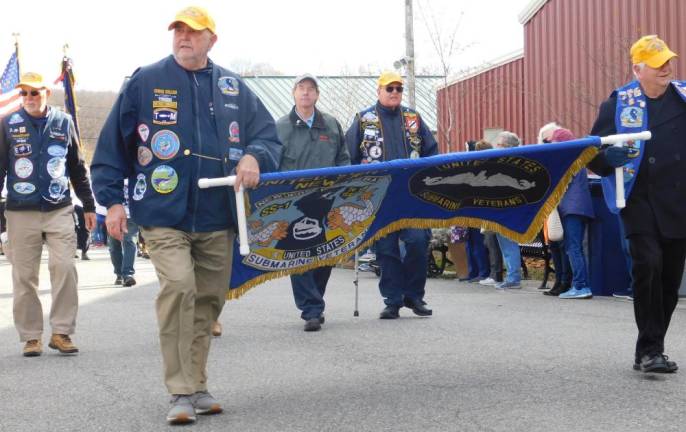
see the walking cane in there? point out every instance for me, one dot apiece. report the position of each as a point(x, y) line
point(357, 275)
point(618, 141)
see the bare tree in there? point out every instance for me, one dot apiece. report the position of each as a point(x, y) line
point(447, 46)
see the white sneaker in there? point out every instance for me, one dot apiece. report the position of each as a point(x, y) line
point(488, 281)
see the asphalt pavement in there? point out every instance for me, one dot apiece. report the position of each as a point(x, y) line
point(485, 361)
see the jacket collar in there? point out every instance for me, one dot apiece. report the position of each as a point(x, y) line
point(295, 119)
point(388, 111)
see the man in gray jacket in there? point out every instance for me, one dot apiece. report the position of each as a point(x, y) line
point(311, 139)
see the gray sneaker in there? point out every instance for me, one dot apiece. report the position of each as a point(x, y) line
point(205, 403)
point(181, 411)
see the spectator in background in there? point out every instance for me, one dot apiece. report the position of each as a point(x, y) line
point(123, 253)
point(83, 236)
point(575, 210)
point(563, 270)
point(100, 232)
point(509, 248)
point(477, 254)
point(491, 241)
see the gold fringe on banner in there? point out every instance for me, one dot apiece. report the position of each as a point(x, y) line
point(553, 200)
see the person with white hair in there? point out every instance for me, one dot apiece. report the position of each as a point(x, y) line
point(509, 248)
point(654, 190)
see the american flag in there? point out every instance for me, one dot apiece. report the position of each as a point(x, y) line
point(9, 96)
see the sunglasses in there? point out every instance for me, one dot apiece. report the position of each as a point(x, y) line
point(32, 92)
point(390, 89)
point(546, 141)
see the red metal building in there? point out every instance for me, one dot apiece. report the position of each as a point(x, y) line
point(575, 53)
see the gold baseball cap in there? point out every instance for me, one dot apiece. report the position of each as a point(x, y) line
point(31, 80)
point(196, 18)
point(652, 51)
point(388, 77)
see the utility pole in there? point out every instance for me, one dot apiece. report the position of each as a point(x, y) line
point(409, 53)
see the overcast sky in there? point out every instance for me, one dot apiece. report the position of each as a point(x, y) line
point(108, 40)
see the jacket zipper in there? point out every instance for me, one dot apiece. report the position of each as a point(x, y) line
point(196, 108)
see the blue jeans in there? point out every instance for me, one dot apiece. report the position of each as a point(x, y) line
point(477, 255)
point(308, 291)
point(512, 258)
point(403, 276)
point(574, 227)
point(123, 253)
point(563, 271)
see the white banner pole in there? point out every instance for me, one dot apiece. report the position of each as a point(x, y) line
point(204, 183)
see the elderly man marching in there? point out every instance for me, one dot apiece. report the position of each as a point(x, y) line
point(40, 154)
point(311, 139)
point(179, 119)
point(383, 132)
point(655, 177)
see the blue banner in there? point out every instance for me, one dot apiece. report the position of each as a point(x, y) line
point(68, 81)
point(300, 220)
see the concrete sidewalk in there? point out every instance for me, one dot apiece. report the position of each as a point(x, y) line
point(486, 361)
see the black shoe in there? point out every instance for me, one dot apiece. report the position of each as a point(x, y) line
point(389, 312)
point(118, 280)
point(671, 365)
point(558, 289)
point(653, 363)
point(313, 324)
point(129, 281)
point(85, 257)
point(417, 306)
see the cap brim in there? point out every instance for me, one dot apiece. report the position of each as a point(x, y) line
point(190, 23)
point(40, 86)
point(657, 61)
point(385, 83)
point(307, 78)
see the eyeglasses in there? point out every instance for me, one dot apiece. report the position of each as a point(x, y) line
point(33, 92)
point(390, 89)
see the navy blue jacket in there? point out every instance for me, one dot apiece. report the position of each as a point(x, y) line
point(656, 204)
point(395, 143)
point(40, 157)
point(577, 199)
point(170, 127)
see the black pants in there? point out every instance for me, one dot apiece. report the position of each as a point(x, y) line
point(82, 234)
point(658, 264)
point(494, 256)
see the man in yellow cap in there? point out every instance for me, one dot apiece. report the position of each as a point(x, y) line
point(383, 132)
point(175, 121)
point(40, 155)
point(655, 178)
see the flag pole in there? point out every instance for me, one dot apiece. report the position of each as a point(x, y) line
point(16, 51)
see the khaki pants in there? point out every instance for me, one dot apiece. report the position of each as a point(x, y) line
point(193, 270)
point(25, 231)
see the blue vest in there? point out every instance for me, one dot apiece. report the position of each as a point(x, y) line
point(168, 137)
point(631, 115)
point(37, 174)
point(371, 130)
